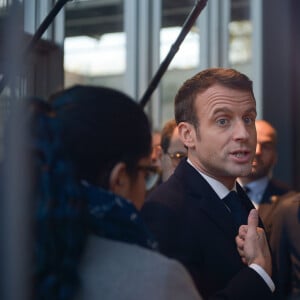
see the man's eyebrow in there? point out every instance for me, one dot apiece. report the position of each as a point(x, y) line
point(227, 110)
point(221, 110)
point(251, 110)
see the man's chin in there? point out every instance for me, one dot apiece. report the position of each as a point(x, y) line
point(254, 174)
point(245, 172)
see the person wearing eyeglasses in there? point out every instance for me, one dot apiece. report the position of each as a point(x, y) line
point(92, 167)
point(173, 150)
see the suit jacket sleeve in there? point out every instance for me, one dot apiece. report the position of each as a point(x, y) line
point(246, 285)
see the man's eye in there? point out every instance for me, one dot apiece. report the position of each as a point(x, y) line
point(222, 122)
point(248, 120)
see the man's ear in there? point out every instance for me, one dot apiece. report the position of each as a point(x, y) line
point(187, 134)
point(119, 181)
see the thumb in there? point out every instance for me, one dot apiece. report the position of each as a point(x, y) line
point(252, 221)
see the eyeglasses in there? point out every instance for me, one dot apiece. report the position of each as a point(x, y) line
point(152, 175)
point(156, 151)
point(177, 156)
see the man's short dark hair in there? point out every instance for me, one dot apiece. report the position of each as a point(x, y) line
point(185, 98)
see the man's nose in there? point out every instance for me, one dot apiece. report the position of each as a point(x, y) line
point(258, 149)
point(240, 131)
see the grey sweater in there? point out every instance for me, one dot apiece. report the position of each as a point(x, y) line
point(114, 270)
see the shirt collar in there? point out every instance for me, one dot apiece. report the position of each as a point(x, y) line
point(257, 189)
point(220, 189)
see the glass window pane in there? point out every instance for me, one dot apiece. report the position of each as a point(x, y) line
point(240, 37)
point(186, 61)
point(95, 43)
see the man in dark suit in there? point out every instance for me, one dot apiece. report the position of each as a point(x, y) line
point(285, 244)
point(215, 111)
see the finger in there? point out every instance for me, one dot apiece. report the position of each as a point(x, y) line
point(242, 231)
point(242, 236)
point(239, 243)
point(252, 221)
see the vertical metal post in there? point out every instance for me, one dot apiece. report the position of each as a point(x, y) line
point(142, 27)
point(214, 34)
point(156, 111)
point(131, 31)
point(15, 210)
point(256, 19)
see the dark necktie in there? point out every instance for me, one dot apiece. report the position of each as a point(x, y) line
point(236, 208)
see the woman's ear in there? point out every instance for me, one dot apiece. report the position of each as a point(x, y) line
point(119, 181)
point(187, 134)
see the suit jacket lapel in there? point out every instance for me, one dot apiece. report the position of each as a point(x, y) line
point(244, 198)
point(247, 203)
point(202, 196)
point(266, 198)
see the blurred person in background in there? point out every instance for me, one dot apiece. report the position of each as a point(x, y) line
point(285, 244)
point(260, 185)
point(156, 150)
point(172, 148)
point(278, 207)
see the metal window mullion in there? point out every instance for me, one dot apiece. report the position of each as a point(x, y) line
point(214, 42)
point(131, 31)
point(43, 8)
point(59, 28)
point(256, 19)
point(214, 36)
point(224, 17)
point(35, 13)
point(30, 16)
point(154, 29)
point(209, 41)
point(203, 25)
point(144, 54)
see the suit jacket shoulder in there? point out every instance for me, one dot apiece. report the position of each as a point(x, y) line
point(274, 188)
point(285, 243)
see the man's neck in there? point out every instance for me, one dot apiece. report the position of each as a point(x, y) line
point(228, 182)
point(218, 186)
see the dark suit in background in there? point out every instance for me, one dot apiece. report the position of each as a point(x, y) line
point(269, 202)
point(193, 225)
point(278, 213)
point(285, 244)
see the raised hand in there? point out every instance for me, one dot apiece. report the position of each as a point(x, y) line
point(252, 244)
